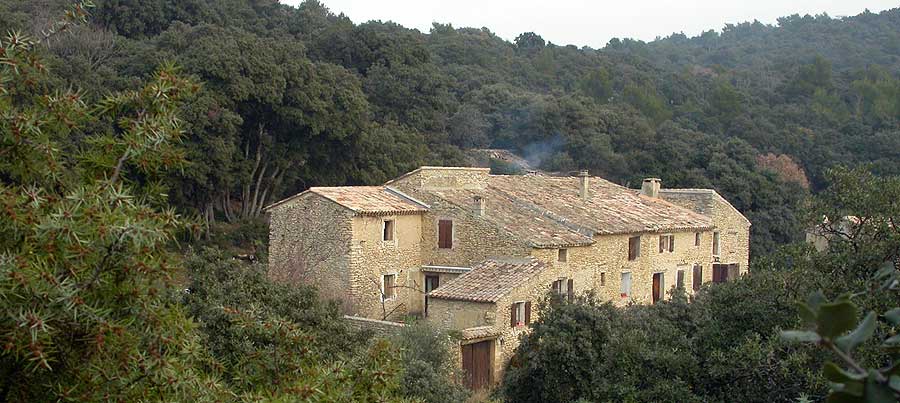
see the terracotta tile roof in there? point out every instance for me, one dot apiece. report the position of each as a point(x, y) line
point(479, 332)
point(548, 211)
point(701, 201)
point(365, 199)
point(489, 280)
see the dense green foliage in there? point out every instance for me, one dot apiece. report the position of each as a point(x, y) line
point(298, 96)
point(725, 345)
point(429, 368)
point(90, 305)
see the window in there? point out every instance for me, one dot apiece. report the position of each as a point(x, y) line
point(564, 287)
point(520, 313)
point(563, 256)
point(634, 247)
point(666, 243)
point(697, 277)
point(445, 234)
point(388, 282)
point(696, 239)
point(716, 243)
point(559, 286)
point(603, 279)
point(387, 230)
point(679, 279)
point(626, 285)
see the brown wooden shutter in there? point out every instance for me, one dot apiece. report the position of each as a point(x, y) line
point(512, 315)
point(679, 281)
point(571, 291)
point(445, 234)
point(662, 243)
point(672, 243)
point(556, 286)
point(527, 312)
point(734, 271)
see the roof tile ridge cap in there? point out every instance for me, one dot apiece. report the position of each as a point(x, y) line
point(670, 204)
point(563, 221)
point(406, 196)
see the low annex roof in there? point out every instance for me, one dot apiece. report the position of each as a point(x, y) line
point(489, 280)
point(374, 200)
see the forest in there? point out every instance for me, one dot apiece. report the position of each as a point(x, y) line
point(140, 141)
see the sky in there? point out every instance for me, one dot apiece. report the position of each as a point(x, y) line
point(591, 23)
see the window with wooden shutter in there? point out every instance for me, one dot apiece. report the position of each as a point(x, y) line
point(388, 283)
point(388, 230)
point(519, 313)
point(603, 279)
point(734, 271)
point(570, 286)
point(679, 279)
point(696, 239)
point(715, 245)
point(634, 247)
point(625, 288)
point(698, 277)
point(562, 256)
point(671, 243)
point(662, 243)
point(445, 234)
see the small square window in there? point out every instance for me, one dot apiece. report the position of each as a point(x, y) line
point(696, 239)
point(563, 256)
point(388, 283)
point(388, 231)
point(603, 279)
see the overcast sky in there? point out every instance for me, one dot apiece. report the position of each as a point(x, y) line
point(591, 23)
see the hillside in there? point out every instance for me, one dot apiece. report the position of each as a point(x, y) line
point(296, 97)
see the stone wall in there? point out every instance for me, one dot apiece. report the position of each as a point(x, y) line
point(309, 242)
point(371, 257)
point(734, 234)
point(379, 328)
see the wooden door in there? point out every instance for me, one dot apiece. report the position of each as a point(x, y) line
point(478, 364)
point(431, 283)
point(657, 287)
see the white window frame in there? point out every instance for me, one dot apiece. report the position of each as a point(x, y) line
point(622, 284)
point(393, 296)
point(563, 289)
point(520, 313)
point(384, 223)
point(717, 243)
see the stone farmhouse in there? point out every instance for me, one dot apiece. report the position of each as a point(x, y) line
point(475, 252)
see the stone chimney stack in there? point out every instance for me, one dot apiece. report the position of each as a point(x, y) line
point(584, 179)
point(479, 205)
point(650, 187)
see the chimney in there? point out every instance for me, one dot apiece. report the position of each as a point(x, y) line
point(650, 187)
point(583, 183)
point(479, 205)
